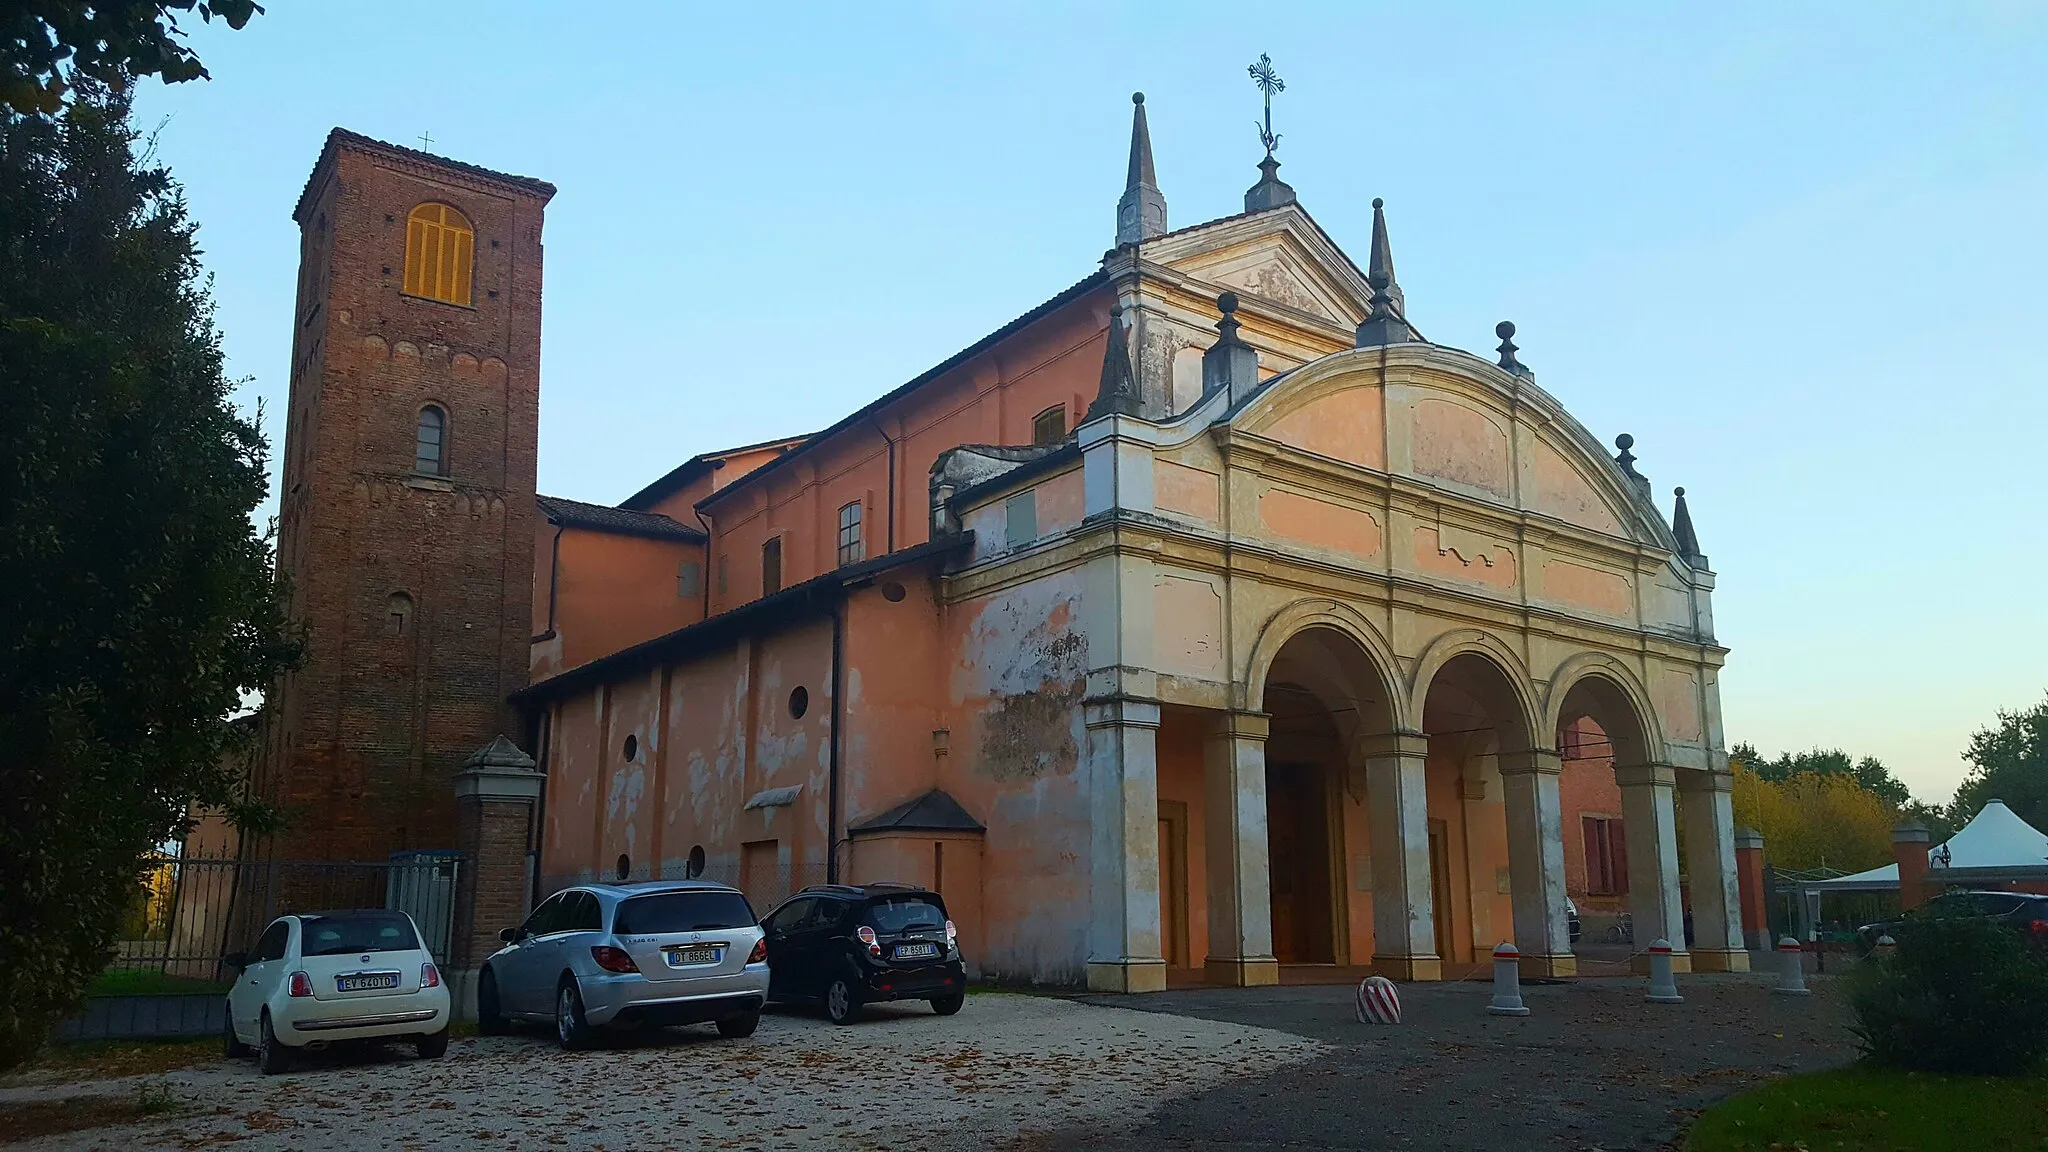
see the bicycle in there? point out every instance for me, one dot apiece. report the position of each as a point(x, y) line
point(1622, 931)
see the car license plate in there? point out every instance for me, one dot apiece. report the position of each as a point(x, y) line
point(916, 951)
point(366, 983)
point(685, 957)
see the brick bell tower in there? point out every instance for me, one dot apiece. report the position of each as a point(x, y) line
point(407, 517)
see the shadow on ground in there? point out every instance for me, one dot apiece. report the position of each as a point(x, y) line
point(1592, 1067)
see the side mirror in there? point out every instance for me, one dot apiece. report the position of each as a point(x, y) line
point(236, 960)
point(508, 935)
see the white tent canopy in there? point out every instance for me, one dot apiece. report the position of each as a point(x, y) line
point(1995, 841)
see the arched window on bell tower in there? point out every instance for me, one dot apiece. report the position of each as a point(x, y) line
point(440, 246)
point(430, 452)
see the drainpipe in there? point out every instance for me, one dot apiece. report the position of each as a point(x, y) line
point(832, 765)
point(704, 573)
point(891, 539)
point(554, 574)
point(540, 806)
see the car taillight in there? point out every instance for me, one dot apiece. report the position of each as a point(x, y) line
point(867, 937)
point(301, 985)
point(430, 976)
point(952, 933)
point(760, 951)
point(613, 959)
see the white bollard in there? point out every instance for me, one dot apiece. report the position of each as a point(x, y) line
point(1791, 969)
point(1507, 982)
point(1887, 946)
point(1663, 988)
point(1377, 1001)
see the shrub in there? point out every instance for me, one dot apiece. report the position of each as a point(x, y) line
point(1962, 993)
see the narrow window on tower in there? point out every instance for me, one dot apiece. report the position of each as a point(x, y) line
point(398, 614)
point(771, 566)
point(439, 250)
point(430, 453)
point(849, 535)
point(1049, 426)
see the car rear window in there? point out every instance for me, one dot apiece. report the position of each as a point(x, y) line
point(358, 932)
point(903, 913)
point(661, 912)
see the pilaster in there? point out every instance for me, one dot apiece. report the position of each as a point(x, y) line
point(1403, 916)
point(1650, 828)
point(1707, 799)
point(1239, 864)
point(1123, 784)
point(1535, 815)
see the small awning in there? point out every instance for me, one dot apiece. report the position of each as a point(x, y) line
point(932, 812)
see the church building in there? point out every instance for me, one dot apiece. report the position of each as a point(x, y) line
point(1203, 619)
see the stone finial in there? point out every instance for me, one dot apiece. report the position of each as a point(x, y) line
point(1627, 459)
point(1230, 364)
point(1381, 258)
point(1270, 191)
point(1681, 527)
point(1141, 214)
point(1506, 331)
point(1383, 324)
point(1118, 393)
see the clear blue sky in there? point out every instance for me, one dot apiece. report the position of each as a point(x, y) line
point(1800, 251)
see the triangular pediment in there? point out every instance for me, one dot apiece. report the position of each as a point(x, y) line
point(1279, 256)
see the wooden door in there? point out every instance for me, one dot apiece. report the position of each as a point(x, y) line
point(1173, 883)
point(1440, 884)
point(1298, 857)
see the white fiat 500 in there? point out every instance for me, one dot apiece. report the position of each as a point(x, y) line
point(318, 978)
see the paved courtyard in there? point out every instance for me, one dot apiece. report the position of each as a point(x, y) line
point(1593, 1068)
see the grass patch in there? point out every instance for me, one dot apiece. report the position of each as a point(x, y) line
point(1878, 1110)
point(106, 1059)
point(128, 982)
point(28, 1120)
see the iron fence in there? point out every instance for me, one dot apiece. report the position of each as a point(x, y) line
point(193, 909)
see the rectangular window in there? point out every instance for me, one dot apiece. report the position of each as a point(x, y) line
point(849, 535)
point(1049, 426)
point(771, 567)
point(689, 580)
point(724, 568)
point(1606, 856)
point(1020, 519)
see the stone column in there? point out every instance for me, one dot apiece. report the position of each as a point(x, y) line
point(1718, 946)
point(1535, 812)
point(496, 796)
point(1749, 880)
point(1650, 829)
point(1235, 844)
point(1123, 788)
point(1403, 919)
point(1909, 848)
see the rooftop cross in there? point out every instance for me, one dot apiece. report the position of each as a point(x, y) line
point(1269, 82)
point(426, 140)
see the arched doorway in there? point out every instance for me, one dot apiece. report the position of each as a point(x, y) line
point(1323, 693)
point(1476, 722)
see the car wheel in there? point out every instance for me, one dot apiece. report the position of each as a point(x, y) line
point(948, 1005)
point(490, 1017)
point(734, 1027)
point(231, 1044)
point(572, 1031)
point(272, 1056)
point(842, 1001)
point(432, 1044)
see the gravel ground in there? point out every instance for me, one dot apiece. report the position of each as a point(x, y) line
point(1592, 1069)
point(1006, 1065)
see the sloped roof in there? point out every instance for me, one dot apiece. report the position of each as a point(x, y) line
point(934, 811)
point(341, 138)
point(1994, 838)
point(619, 521)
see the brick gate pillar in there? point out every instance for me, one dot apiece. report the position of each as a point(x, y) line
point(1749, 877)
point(496, 796)
point(1909, 848)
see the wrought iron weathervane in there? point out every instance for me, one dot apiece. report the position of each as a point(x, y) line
point(1269, 82)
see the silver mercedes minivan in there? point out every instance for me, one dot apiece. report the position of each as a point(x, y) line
point(652, 954)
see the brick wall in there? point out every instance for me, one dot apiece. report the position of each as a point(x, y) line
point(495, 889)
point(1586, 788)
point(413, 592)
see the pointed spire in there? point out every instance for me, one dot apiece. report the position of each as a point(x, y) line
point(1118, 394)
point(1688, 540)
point(1141, 214)
point(1382, 259)
point(1384, 324)
point(1506, 331)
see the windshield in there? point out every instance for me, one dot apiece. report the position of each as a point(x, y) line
point(904, 914)
point(360, 932)
point(681, 912)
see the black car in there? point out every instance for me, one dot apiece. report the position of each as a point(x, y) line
point(845, 946)
point(2026, 912)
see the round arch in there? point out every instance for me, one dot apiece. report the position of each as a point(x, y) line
point(1601, 686)
point(1488, 647)
point(1337, 616)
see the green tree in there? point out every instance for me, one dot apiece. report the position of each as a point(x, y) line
point(48, 46)
point(1870, 772)
point(2010, 761)
point(140, 601)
